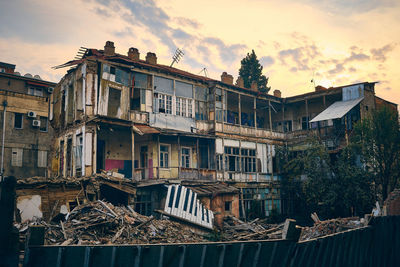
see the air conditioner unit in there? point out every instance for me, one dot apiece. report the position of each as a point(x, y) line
point(31, 114)
point(36, 123)
point(50, 90)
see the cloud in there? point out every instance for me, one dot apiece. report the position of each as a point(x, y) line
point(228, 53)
point(180, 34)
point(348, 7)
point(338, 69)
point(356, 57)
point(267, 61)
point(187, 22)
point(352, 69)
point(380, 54)
point(300, 56)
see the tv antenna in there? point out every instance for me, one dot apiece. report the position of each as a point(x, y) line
point(204, 70)
point(177, 56)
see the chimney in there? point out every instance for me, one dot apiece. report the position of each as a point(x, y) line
point(277, 93)
point(109, 49)
point(133, 54)
point(319, 88)
point(254, 86)
point(240, 82)
point(151, 58)
point(226, 78)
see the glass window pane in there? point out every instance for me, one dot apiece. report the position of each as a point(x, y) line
point(163, 85)
point(183, 89)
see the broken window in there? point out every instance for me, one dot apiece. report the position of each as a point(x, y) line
point(79, 94)
point(247, 110)
point(287, 126)
point(201, 103)
point(114, 101)
point(203, 157)
point(143, 203)
point(43, 124)
point(304, 123)
point(138, 90)
point(143, 156)
point(164, 103)
point(232, 159)
point(18, 120)
point(232, 108)
point(228, 205)
point(248, 160)
point(262, 112)
point(78, 155)
point(220, 100)
point(185, 157)
point(42, 159)
point(16, 157)
point(164, 156)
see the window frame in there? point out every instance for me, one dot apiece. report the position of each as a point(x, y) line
point(164, 166)
point(22, 120)
point(187, 157)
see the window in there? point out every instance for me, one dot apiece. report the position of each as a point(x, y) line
point(164, 156)
point(114, 101)
point(201, 103)
point(43, 124)
point(232, 159)
point(42, 159)
point(184, 107)
point(220, 104)
point(185, 157)
point(16, 157)
point(35, 91)
point(228, 205)
point(18, 119)
point(143, 203)
point(78, 154)
point(304, 123)
point(219, 162)
point(143, 156)
point(164, 103)
point(248, 160)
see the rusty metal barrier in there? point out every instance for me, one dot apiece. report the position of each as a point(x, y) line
point(375, 245)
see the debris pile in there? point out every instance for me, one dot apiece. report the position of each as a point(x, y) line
point(237, 230)
point(102, 223)
point(328, 227)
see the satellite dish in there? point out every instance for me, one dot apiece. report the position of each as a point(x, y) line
point(28, 75)
point(37, 77)
point(17, 73)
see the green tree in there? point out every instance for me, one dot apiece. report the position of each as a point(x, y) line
point(331, 185)
point(251, 70)
point(378, 138)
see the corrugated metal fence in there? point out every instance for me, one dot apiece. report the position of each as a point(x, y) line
point(376, 245)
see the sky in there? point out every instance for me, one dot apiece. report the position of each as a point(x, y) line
point(334, 43)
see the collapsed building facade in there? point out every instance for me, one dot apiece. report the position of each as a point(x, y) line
point(147, 121)
point(24, 123)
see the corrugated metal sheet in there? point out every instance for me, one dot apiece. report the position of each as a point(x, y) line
point(337, 110)
point(378, 245)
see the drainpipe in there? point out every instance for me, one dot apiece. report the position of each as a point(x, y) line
point(2, 143)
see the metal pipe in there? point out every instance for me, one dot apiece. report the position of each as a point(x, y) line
point(2, 142)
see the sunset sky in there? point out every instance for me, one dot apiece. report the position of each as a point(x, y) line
point(335, 42)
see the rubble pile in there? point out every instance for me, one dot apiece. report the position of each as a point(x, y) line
point(102, 223)
point(328, 227)
point(237, 230)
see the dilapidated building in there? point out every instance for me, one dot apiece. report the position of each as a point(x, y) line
point(146, 120)
point(24, 115)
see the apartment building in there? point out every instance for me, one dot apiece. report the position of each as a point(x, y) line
point(24, 123)
point(150, 121)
